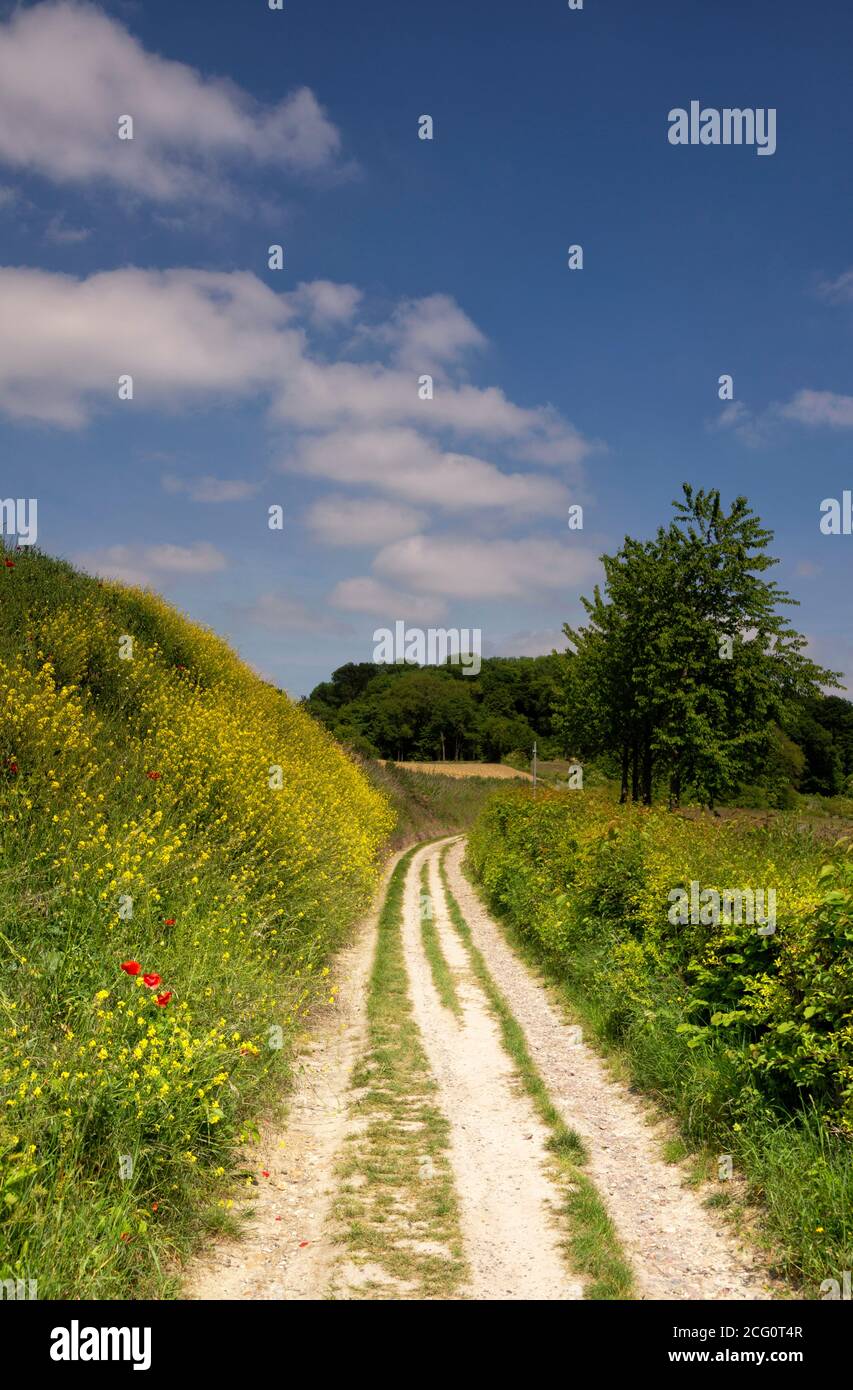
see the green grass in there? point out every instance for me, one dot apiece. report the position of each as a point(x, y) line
point(428, 804)
point(442, 976)
point(592, 1244)
point(397, 1209)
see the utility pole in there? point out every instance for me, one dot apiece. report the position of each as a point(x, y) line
point(534, 772)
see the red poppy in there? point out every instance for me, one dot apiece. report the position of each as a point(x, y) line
point(169, 921)
point(13, 768)
point(154, 1206)
point(264, 1173)
point(303, 1243)
point(152, 981)
point(10, 564)
point(163, 999)
point(131, 967)
point(155, 776)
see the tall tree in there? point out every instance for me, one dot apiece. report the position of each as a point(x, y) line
point(686, 660)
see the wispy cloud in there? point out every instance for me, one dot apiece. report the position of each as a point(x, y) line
point(280, 613)
point(362, 521)
point(367, 595)
point(539, 642)
point(820, 408)
point(468, 568)
point(60, 234)
point(146, 565)
point(207, 489)
point(839, 290)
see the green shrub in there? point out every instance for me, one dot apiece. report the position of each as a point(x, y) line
point(744, 1036)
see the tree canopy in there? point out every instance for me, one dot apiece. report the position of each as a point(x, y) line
point(687, 665)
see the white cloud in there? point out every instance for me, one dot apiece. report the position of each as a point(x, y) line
point(470, 568)
point(820, 408)
point(403, 462)
point(366, 595)
point(320, 395)
point(354, 521)
point(145, 565)
point(538, 643)
point(68, 72)
point(280, 613)
point(65, 341)
point(326, 302)
point(198, 558)
point(427, 333)
point(181, 333)
point(184, 334)
point(207, 489)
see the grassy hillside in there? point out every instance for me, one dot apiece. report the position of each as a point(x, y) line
point(181, 847)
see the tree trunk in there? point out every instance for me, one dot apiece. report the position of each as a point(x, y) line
point(647, 769)
point(675, 788)
point(635, 772)
point(623, 794)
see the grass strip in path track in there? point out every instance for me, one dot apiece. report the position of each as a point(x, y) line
point(397, 1208)
point(442, 975)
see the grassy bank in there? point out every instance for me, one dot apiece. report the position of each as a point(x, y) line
point(744, 1038)
point(181, 849)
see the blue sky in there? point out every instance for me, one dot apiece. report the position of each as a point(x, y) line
point(298, 387)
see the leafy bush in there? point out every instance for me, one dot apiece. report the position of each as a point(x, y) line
point(743, 1035)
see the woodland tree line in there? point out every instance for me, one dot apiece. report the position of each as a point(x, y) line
point(687, 681)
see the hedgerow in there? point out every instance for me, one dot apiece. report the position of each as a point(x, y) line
point(746, 1035)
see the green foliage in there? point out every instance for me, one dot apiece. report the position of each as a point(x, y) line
point(686, 662)
point(413, 713)
point(747, 1038)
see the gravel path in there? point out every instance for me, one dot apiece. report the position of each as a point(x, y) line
point(675, 1245)
point(497, 1148)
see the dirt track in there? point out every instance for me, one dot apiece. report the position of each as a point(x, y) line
point(505, 1184)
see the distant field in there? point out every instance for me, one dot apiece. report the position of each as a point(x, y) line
point(427, 806)
point(462, 769)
